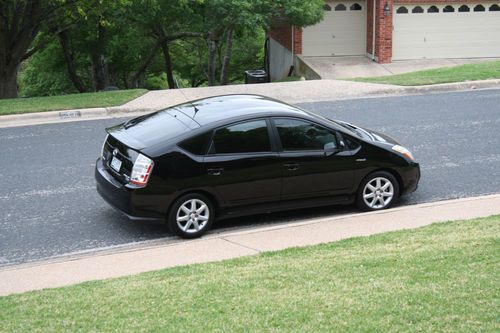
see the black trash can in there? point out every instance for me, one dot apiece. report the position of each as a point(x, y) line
point(256, 76)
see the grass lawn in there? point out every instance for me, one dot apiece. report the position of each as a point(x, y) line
point(469, 72)
point(72, 101)
point(444, 277)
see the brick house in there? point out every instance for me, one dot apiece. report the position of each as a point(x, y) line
point(395, 30)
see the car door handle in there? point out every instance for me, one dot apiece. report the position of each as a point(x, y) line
point(216, 171)
point(291, 166)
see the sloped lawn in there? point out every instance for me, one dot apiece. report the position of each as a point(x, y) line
point(440, 278)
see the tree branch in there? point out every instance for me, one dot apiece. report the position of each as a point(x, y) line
point(179, 35)
point(44, 42)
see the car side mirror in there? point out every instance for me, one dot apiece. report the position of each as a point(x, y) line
point(330, 149)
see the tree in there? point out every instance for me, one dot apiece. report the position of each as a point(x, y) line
point(20, 24)
point(164, 21)
point(224, 19)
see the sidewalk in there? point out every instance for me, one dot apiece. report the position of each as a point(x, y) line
point(126, 261)
point(290, 92)
point(361, 66)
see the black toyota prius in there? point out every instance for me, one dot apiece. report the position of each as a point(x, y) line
point(234, 155)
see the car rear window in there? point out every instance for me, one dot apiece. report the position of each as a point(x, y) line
point(155, 128)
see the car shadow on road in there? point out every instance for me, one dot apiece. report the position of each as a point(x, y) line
point(153, 230)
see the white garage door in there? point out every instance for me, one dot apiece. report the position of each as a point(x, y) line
point(342, 32)
point(446, 31)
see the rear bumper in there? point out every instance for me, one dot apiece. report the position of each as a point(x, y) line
point(119, 196)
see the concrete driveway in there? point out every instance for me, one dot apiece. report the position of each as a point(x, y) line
point(350, 67)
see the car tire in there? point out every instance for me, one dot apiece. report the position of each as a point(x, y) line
point(191, 216)
point(379, 190)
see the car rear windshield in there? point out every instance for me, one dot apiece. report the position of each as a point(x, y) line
point(155, 128)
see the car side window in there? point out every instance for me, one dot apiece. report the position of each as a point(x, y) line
point(197, 144)
point(350, 143)
point(303, 135)
point(247, 137)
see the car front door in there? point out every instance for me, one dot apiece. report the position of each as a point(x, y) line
point(308, 171)
point(243, 164)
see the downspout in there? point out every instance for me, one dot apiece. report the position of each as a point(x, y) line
point(373, 28)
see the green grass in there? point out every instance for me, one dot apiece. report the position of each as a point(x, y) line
point(440, 278)
point(469, 72)
point(72, 101)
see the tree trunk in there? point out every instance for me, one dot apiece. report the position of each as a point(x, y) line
point(212, 53)
point(142, 68)
point(100, 72)
point(224, 75)
point(168, 65)
point(16, 35)
point(70, 61)
point(8, 83)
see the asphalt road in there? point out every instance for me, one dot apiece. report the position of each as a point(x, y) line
point(49, 206)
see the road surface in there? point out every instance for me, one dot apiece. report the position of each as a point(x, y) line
point(49, 206)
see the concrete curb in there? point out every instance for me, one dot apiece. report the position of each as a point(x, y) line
point(308, 90)
point(457, 86)
point(232, 244)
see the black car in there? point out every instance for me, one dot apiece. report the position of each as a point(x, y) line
point(236, 155)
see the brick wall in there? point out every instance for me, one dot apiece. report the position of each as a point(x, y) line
point(369, 26)
point(283, 35)
point(297, 43)
point(383, 32)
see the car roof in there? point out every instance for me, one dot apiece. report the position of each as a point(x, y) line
point(226, 107)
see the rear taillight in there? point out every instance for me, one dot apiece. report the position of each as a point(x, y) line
point(104, 146)
point(141, 170)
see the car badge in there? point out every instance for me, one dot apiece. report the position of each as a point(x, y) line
point(115, 152)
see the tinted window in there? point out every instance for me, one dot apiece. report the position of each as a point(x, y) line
point(249, 137)
point(350, 143)
point(302, 135)
point(154, 128)
point(197, 144)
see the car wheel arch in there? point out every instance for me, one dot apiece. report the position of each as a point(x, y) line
point(210, 196)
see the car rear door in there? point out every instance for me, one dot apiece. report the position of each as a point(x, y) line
point(307, 171)
point(243, 164)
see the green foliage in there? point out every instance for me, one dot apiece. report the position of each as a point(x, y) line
point(120, 40)
point(156, 81)
point(45, 74)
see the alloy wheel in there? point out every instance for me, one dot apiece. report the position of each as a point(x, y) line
point(378, 193)
point(192, 216)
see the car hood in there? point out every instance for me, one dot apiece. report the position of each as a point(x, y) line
point(369, 134)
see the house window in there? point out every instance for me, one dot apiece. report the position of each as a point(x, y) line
point(355, 6)
point(327, 7)
point(479, 8)
point(495, 8)
point(463, 9)
point(417, 10)
point(402, 10)
point(448, 9)
point(432, 9)
point(340, 8)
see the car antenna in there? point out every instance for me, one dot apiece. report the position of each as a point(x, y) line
point(195, 108)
